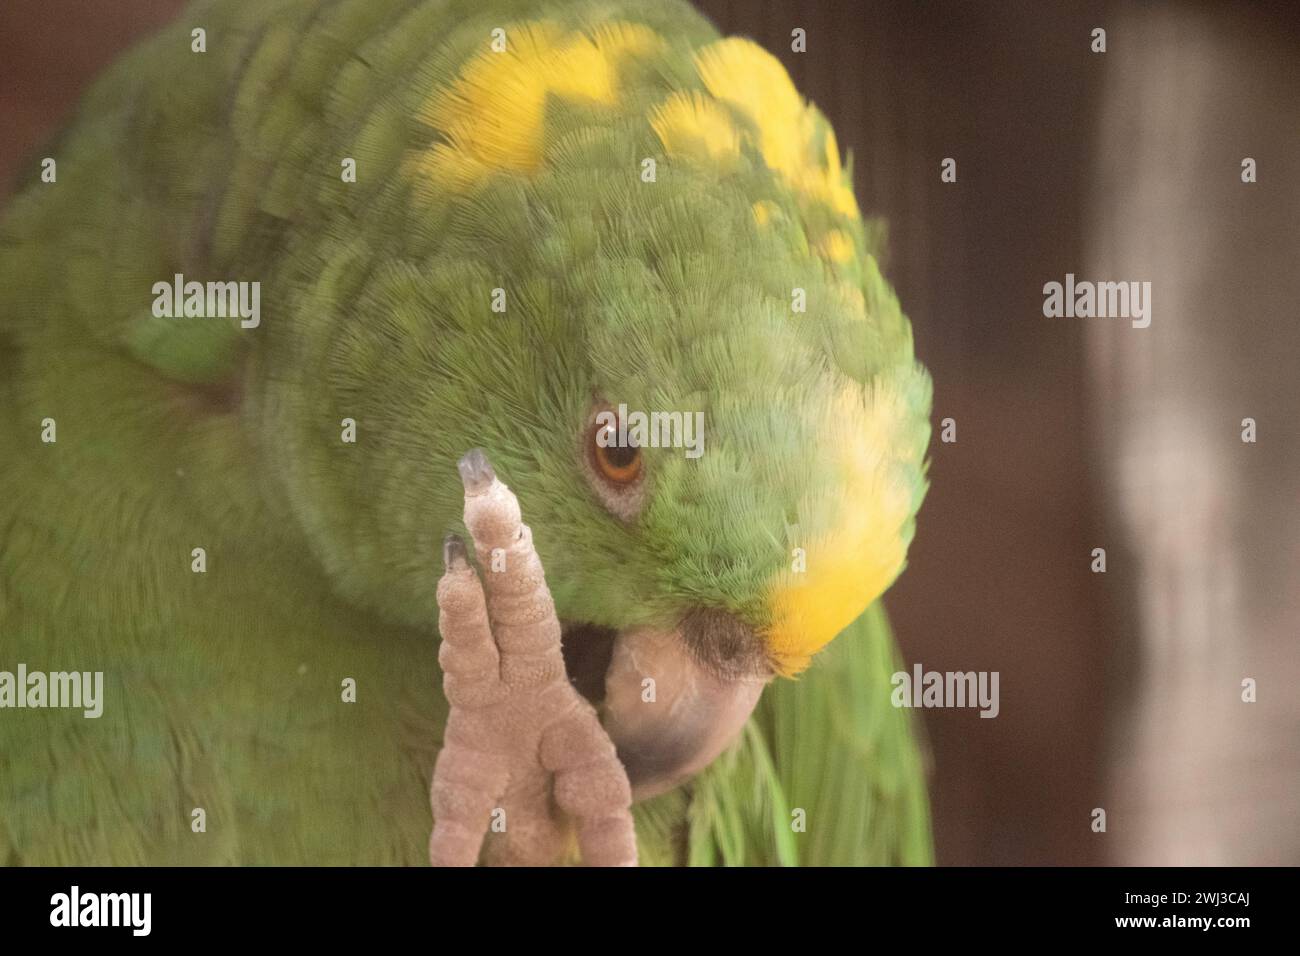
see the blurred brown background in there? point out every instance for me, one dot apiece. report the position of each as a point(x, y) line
point(1121, 690)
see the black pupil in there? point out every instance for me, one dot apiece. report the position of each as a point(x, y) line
point(621, 456)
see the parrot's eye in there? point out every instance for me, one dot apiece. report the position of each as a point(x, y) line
point(618, 463)
point(615, 469)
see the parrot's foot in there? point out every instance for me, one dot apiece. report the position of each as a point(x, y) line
point(519, 735)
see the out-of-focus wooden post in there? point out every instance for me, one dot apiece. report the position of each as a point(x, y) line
point(1210, 524)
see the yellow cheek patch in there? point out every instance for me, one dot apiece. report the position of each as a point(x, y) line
point(741, 73)
point(493, 115)
point(694, 125)
point(852, 563)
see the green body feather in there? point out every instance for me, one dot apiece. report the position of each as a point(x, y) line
point(222, 689)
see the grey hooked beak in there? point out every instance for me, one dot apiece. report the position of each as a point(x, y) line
point(674, 700)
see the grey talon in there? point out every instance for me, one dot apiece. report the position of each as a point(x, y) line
point(454, 555)
point(475, 472)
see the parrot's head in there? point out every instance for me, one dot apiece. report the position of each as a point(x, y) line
point(659, 312)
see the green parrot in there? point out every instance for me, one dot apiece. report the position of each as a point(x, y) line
point(288, 264)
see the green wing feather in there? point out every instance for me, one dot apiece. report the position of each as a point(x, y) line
point(848, 757)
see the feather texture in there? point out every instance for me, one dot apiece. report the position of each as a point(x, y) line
point(474, 174)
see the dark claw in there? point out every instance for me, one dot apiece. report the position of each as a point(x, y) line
point(454, 556)
point(475, 472)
